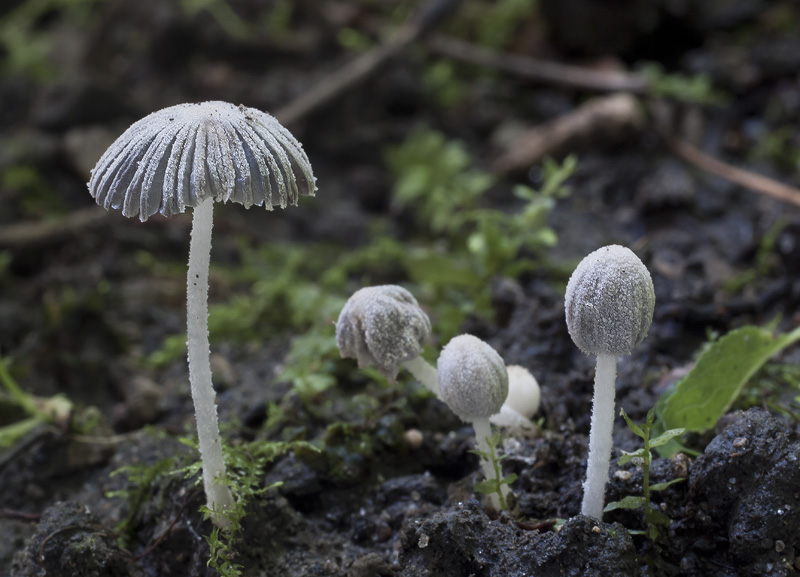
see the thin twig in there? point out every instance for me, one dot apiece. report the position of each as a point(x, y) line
point(743, 178)
point(164, 533)
point(541, 70)
point(540, 141)
point(30, 234)
point(19, 515)
point(359, 69)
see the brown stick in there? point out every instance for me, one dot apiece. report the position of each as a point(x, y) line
point(743, 178)
point(555, 135)
point(609, 118)
point(30, 234)
point(353, 73)
point(542, 70)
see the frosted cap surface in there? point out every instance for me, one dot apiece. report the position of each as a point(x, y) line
point(382, 326)
point(473, 380)
point(609, 302)
point(178, 156)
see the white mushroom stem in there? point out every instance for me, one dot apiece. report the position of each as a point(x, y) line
point(424, 372)
point(600, 437)
point(219, 497)
point(483, 430)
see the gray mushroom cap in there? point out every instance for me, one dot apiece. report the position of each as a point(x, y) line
point(178, 156)
point(473, 379)
point(609, 302)
point(382, 326)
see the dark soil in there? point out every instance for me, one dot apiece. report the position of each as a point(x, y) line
point(78, 310)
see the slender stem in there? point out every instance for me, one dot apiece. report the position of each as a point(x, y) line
point(219, 496)
point(424, 372)
point(600, 437)
point(483, 430)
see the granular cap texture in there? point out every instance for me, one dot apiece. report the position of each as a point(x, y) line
point(609, 302)
point(181, 155)
point(472, 378)
point(382, 326)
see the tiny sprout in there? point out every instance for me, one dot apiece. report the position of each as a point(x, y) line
point(609, 307)
point(384, 327)
point(473, 381)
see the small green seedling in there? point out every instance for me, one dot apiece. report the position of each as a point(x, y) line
point(655, 519)
point(56, 410)
point(493, 486)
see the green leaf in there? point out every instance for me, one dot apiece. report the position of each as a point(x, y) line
point(666, 436)
point(703, 396)
point(628, 457)
point(486, 487)
point(662, 486)
point(637, 430)
point(629, 502)
point(509, 479)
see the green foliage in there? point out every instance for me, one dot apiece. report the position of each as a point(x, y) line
point(499, 238)
point(778, 146)
point(495, 485)
point(656, 520)
point(246, 464)
point(233, 24)
point(765, 260)
point(696, 89)
point(717, 378)
point(310, 364)
point(492, 24)
point(26, 45)
point(56, 410)
point(143, 481)
point(436, 178)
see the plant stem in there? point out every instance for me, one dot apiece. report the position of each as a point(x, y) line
point(600, 436)
point(483, 430)
point(218, 495)
point(424, 372)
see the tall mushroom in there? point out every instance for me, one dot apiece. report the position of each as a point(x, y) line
point(192, 155)
point(609, 306)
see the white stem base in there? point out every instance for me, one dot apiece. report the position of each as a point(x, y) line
point(600, 437)
point(424, 372)
point(219, 497)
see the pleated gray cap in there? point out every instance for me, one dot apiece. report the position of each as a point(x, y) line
point(183, 154)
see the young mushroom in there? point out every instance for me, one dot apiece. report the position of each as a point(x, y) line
point(609, 307)
point(384, 327)
point(522, 402)
point(473, 381)
point(192, 155)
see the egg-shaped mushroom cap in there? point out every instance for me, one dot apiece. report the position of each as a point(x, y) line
point(609, 302)
point(382, 326)
point(183, 154)
point(473, 380)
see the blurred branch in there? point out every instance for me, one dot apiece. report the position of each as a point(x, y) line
point(355, 72)
point(608, 116)
point(541, 70)
point(29, 234)
point(744, 178)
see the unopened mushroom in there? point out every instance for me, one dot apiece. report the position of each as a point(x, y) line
point(192, 155)
point(384, 327)
point(522, 402)
point(609, 307)
point(473, 381)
